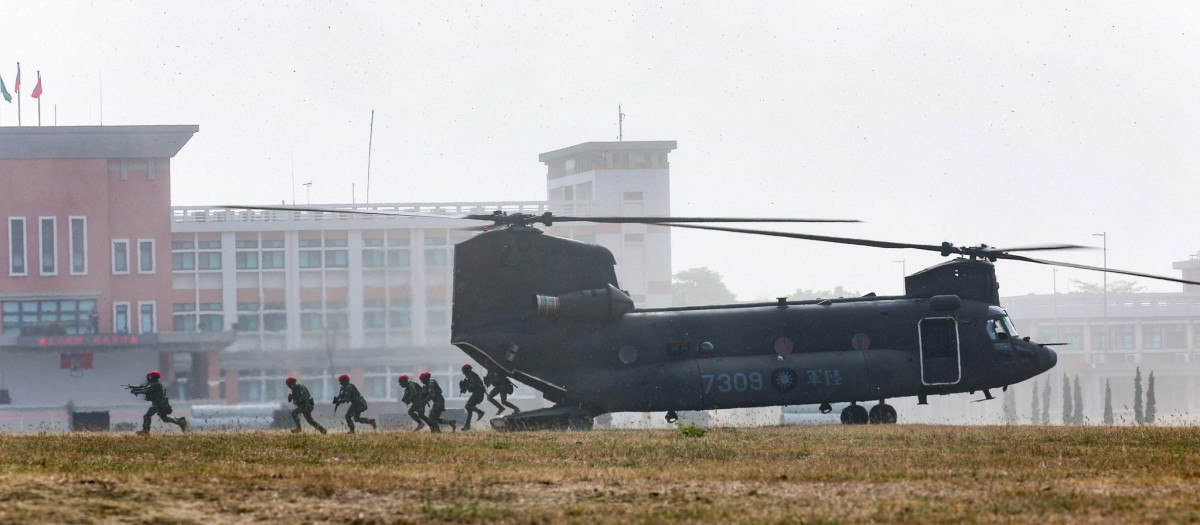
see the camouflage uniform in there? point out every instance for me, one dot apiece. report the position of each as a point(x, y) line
point(414, 395)
point(502, 385)
point(358, 404)
point(304, 405)
point(473, 384)
point(433, 396)
point(157, 396)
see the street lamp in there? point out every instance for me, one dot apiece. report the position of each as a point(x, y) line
point(1107, 336)
point(307, 192)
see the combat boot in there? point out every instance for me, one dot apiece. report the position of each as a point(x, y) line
point(516, 411)
point(467, 426)
point(372, 423)
point(420, 425)
point(296, 430)
point(183, 424)
point(144, 432)
point(453, 426)
point(321, 429)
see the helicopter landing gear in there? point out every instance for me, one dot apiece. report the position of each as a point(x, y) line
point(882, 413)
point(854, 414)
point(553, 418)
point(672, 417)
point(825, 408)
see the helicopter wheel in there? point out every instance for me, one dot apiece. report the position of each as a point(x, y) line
point(854, 415)
point(882, 413)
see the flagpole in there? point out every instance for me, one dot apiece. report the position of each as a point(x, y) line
point(18, 89)
point(39, 84)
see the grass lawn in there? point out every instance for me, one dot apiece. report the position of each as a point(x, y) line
point(826, 474)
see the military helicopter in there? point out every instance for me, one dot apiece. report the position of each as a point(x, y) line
point(548, 311)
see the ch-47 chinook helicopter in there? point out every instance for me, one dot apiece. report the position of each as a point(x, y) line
point(549, 312)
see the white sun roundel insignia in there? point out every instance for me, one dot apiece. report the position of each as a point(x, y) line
point(784, 379)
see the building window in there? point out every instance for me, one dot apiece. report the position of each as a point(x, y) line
point(78, 246)
point(16, 246)
point(145, 255)
point(208, 260)
point(183, 261)
point(184, 317)
point(211, 318)
point(1175, 336)
point(146, 317)
point(120, 256)
point(121, 318)
point(336, 259)
point(374, 315)
point(275, 322)
point(1099, 338)
point(310, 258)
point(400, 314)
point(1072, 336)
point(57, 316)
point(1122, 336)
point(48, 229)
point(436, 257)
point(247, 260)
point(398, 258)
point(272, 260)
point(311, 317)
point(372, 258)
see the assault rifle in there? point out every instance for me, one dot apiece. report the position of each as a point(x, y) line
point(336, 403)
point(136, 390)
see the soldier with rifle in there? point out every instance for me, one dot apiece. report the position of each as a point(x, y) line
point(304, 405)
point(502, 385)
point(358, 404)
point(433, 396)
point(157, 396)
point(414, 396)
point(474, 385)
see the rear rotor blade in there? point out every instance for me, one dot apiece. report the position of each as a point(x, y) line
point(824, 238)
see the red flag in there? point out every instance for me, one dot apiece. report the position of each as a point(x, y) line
point(17, 85)
point(37, 90)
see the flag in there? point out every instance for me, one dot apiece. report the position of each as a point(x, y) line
point(37, 90)
point(17, 84)
point(4, 92)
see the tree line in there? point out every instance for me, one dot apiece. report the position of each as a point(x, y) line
point(1144, 410)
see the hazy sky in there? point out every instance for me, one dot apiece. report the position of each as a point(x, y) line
point(1006, 123)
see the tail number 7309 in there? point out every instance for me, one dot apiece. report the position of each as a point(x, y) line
point(738, 382)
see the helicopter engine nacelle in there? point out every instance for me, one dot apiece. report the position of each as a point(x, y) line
point(605, 304)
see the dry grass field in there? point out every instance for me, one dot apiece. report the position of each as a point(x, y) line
point(824, 474)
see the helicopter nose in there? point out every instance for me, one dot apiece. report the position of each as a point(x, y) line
point(1051, 358)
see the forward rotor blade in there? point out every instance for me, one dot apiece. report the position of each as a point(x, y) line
point(664, 220)
point(822, 238)
point(1095, 268)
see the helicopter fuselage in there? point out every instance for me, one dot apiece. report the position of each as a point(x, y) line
point(829, 351)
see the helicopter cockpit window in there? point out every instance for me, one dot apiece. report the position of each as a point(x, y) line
point(1001, 328)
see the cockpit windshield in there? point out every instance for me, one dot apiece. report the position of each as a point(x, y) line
point(1000, 326)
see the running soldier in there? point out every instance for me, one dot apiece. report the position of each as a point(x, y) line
point(471, 383)
point(157, 396)
point(358, 404)
point(304, 405)
point(502, 385)
point(433, 396)
point(414, 395)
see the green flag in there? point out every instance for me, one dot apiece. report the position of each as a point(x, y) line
point(4, 91)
